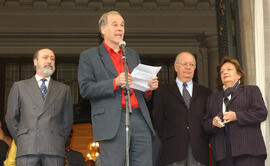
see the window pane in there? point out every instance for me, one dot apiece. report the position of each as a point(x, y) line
point(67, 73)
point(12, 74)
point(27, 71)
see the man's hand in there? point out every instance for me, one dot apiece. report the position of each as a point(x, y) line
point(120, 79)
point(153, 84)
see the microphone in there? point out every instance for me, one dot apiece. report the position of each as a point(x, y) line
point(123, 44)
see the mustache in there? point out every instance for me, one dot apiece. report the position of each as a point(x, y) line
point(48, 65)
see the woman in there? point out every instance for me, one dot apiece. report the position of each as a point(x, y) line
point(233, 119)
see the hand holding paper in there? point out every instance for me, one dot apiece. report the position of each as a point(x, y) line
point(142, 76)
point(153, 84)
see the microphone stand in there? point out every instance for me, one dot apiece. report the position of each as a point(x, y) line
point(127, 93)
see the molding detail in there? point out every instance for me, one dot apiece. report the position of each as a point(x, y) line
point(155, 44)
point(109, 4)
point(190, 3)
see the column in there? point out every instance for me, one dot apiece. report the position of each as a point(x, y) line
point(202, 68)
point(211, 43)
point(266, 10)
point(247, 39)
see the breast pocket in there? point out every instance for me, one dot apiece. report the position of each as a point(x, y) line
point(98, 116)
point(98, 112)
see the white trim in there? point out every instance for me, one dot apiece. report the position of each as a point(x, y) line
point(260, 58)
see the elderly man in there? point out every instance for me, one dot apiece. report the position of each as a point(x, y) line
point(101, 76)
point(40, 115)
point(179, 108)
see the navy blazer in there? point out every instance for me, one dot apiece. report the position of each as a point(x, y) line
point(177, 126)
point(245, 133)
point(96, 74)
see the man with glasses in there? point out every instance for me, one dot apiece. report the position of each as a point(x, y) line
point(179, 108)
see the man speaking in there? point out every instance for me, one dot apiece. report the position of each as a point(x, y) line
point(101, 76)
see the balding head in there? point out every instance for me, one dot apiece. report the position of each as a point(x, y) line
point(185, 66)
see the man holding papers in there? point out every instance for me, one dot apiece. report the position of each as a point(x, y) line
point(101, 76)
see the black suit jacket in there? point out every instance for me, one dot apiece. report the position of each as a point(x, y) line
point(177, 126)
point(75, 158)
point(245, 133)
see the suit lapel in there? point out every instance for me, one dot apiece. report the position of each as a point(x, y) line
point(131, 64)
point(235, 93)
point(106, 59)
point(35, 92)
point(195, 92)
point(51, 95)
point(175, 91)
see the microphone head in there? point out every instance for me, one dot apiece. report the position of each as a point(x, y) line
point(122, 43)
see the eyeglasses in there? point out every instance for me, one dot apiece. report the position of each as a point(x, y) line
point(188, 64)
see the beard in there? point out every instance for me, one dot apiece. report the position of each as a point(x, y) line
point(46, 70)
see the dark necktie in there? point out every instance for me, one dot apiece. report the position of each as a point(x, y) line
point(43, 88)
point(186, 95)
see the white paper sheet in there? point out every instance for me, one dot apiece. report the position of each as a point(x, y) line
point(142, 74)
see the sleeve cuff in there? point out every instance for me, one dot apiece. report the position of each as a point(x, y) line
point(114, 86)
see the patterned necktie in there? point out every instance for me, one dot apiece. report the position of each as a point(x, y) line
point(186, 95)
point(43, 88)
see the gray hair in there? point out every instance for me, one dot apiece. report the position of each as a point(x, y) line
point(103, 20)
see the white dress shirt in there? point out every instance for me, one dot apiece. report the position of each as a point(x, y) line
point(189, 86)
point(38, 78)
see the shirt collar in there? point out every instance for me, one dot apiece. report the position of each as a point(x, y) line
point(110, 50)
point(180, 83)
point(38, 78)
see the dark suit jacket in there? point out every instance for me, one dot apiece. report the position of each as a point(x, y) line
point(245, 133)
point(75, 158)
point(39, 126)
point(96, 74)
point(177, 126)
